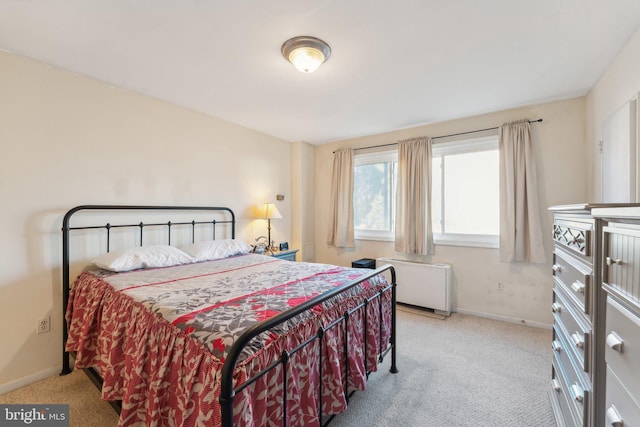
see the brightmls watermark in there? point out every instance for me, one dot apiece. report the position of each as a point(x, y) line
point(34, 415)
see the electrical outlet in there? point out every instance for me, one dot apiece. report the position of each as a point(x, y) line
point(43, 325)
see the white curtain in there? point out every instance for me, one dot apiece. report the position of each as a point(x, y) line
point(413, 198)
point(341, 208)
point(520, 230)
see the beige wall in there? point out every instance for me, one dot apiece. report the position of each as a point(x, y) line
point(68, 140)
point(483, 285)
point(302, 201)
point(618, 85)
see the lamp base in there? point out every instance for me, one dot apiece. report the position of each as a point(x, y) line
point(270, 243)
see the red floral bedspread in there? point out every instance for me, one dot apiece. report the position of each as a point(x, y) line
point(159, 338)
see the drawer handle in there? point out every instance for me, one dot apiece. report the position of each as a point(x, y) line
point(578, 340)
point(577, 393)
point(613, 261)
point(555, 345)
point(557, 268)
point(578, 287)
point(614, 419)
point(615, 342)
point(556, 308)
point(556, 385)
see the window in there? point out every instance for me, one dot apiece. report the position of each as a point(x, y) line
point(465, 198)
point(465, 207)
point(374, 195)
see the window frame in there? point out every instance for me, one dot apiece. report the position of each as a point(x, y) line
point(462, 146)
point(373, 158)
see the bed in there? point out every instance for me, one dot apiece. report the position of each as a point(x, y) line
point(188, 327)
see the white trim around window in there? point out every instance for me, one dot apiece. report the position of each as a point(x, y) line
point(468, 240)
point(463, 146)
point(373, 158)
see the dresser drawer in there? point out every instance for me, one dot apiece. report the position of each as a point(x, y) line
point(573, 387)
point(573, 235)
point(576, 277)
point(562, 347)
point(571, 329)
point(560, 393)
point(621, 266)
point(622, 350)
point(620, 409)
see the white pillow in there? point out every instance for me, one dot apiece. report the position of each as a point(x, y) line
point(142, 257)
point(216, 249)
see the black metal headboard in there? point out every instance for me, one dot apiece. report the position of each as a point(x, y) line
point(228, 220)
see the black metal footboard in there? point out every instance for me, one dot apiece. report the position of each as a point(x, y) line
point(228, 392)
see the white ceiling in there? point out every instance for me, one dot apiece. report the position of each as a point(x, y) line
point(394, 64)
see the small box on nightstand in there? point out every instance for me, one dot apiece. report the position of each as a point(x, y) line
point(364, 263)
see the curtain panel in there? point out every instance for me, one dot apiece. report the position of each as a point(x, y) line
point(520, 229)
point(341, 206)
point(413, 197)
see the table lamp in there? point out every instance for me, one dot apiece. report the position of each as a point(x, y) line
point(269, 212)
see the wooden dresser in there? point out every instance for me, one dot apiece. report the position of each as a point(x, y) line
point(593, 253)
point(576, 299)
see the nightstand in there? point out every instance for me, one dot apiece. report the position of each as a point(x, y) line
point(289, 255)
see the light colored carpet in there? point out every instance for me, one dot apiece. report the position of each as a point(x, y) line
point(85, 406)
point(462, 371)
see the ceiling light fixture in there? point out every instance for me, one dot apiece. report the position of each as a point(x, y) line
point(306, 53)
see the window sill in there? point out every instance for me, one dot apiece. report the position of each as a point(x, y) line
point(471, 241)
point(375, 238)
point(467, 240)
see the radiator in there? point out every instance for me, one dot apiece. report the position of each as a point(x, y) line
point(421, 284)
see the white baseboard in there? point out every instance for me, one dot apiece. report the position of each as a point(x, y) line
point(508, 319)
point(29, 379)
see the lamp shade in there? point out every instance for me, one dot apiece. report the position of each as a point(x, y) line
point(269, 211)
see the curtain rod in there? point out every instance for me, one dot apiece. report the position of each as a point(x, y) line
point(441, 136)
